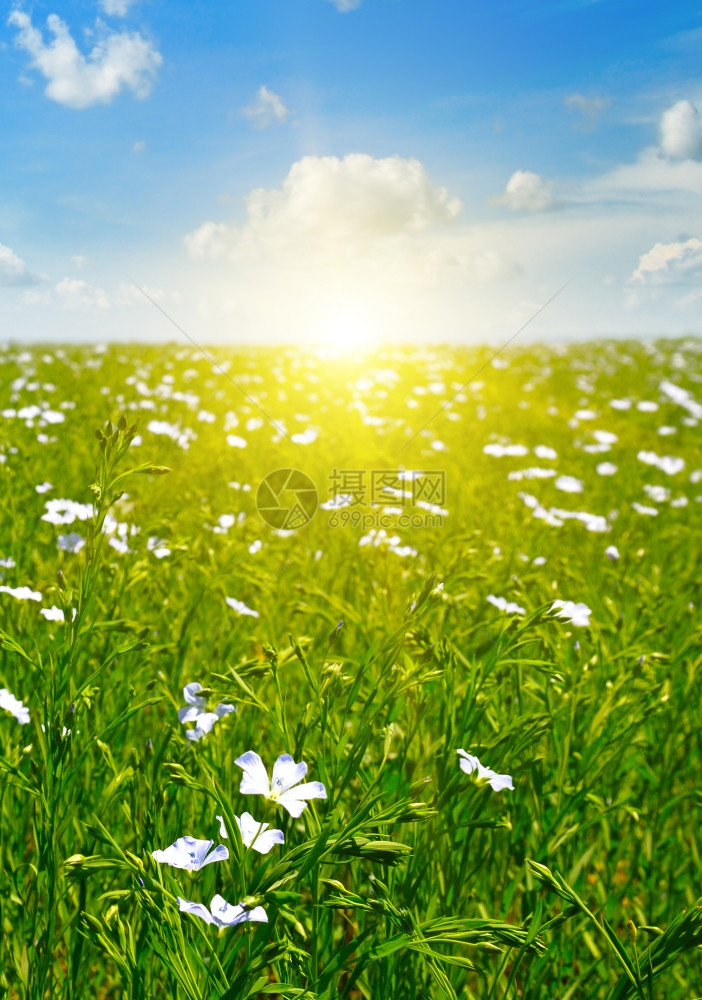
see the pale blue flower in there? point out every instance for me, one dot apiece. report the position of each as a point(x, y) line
point(497, 782)
point(191, 854)
point(576, 614)
point(254, 834)
point(286, 775)
point(196, 711)
point(221, 913)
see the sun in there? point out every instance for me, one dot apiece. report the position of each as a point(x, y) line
point(346, 329)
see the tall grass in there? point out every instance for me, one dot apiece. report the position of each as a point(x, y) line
point(412, 878)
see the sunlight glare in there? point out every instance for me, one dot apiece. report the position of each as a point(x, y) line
point(346, 330)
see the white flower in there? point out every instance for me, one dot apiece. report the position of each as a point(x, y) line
point(254, 834)
point(12, 704)
point(659, 494)
point(577, 614)
point(191, 854)
point(305, 437)
point(196, 711)
point(43, 487)
point(234, 441)
point(509, 607)
point(221, 913)
point(497, 782)
point(240, 607)
point(72, 542)
point(286, 774)
point(22, 593)
point(66, 511)
point(666, 463)
point(612, 552)
point(510, 450)
point(158, 548)
point(119, 545)
point(606, 469)
point(569, 484)
point(53, 614)
point(638, 507)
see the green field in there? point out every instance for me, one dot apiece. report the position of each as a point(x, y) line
point(364, 644)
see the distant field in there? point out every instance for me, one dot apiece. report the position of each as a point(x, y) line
point(405, 608)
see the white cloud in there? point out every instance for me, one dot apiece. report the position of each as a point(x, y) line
point(681, 132)
point(13, 270)
point(127, 294)
point(491, 265)
point(325, 202)
point(70, 294)
point(589, 107)
point(119, 60)
point(651, 173)
point(344, 6)
point(670, 263)
point(116, 8)
point(211, 239)
point(528, 192)
point(139, 147)
point(267, 109)
point(347, 242)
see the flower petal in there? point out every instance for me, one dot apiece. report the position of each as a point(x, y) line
point(189, 853)
point(190, 693)
point(223, 709)
point(255, 779)
point(266, 841)
point(295, 799)
point(220, 853)
point(206, 720)
point(257, 835)
point(500, 781)
point(188, 713)
point(186, 906)
point(286, 773)
point(257, 914)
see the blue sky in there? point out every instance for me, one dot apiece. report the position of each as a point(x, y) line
point(291, 169)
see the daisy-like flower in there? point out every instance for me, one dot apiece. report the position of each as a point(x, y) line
point(497, 782)
point(191, 854)
point(286, 775)
point(254, 834)
point(196, 711)
point(13, 705)
point(221, 913)
point(576, 614)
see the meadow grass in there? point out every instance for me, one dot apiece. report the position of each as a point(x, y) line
point(373, 662)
